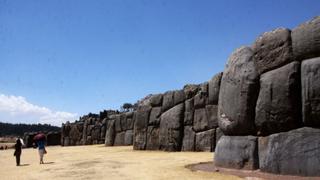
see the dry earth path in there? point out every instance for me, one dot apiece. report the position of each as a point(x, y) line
point(100, 162)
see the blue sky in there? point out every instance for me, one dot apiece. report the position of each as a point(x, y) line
point(68, 58)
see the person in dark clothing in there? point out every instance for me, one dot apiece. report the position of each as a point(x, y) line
point(17, 151)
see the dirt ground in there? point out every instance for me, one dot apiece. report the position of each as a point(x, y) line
point(100, 162)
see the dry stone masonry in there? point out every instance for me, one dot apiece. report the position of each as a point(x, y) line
point(262, 112)
point(269, 106)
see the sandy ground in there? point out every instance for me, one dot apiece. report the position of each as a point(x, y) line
point(100, 162)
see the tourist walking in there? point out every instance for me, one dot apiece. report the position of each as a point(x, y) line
point(42, 150)
point(17, 151)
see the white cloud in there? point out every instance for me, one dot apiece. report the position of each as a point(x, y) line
point(16, 109)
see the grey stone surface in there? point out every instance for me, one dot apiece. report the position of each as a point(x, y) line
point(296, 152)
point(189, 138)
point(168, 100)
point(171, 128)
point(140, 127)
point(155, 116)
point(110, 133)
point(219, 134)
point(205, 118)
point(214, 88)
point(179, 97)
point(156, 100)
point(278, 107)
point(310, 79)
point(273, 49)
point(128, 138)
point(205, 141)
point(238, 94)
point(189, 112)
point(239, 152)
point(118, 126)
point(306, 40)
point(119, 139)
point(153, 138)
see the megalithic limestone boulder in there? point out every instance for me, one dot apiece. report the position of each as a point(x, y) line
point(278, 107)
point(110, 133)
point(296, 152)
point(171, 128)
point(239, 152)
point(214, 88)
point(141, 127)
point(238, 94)
point(306, 40)
point(272, 50)
point(189, 138)
point(153, 138)
point(205, 141)
point(310, 79)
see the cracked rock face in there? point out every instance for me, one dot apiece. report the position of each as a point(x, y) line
point(238, 94)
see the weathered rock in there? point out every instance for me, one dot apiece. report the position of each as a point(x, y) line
point(201, 99)
point(119, 139)
point(205, 141)
point(179, 97)
point(110, 133)
point(155, 116)
point(140, 127)
point(128, 138)
point(168, 100)
point(278, 105)
point(190, 90)
point(272, 50)
point(238, 94)
point(306, 40)
point(189, 138)
point(74, 135)
point(214, 88)
point(205, 118)
point(212, 115)
point(189, 112)
point(239, 152)
point(103, 132)
point(310, 79)
point(118, 126)
point(153, 138)
point(156, 100)
point(171, 128)
point(130, 123)
point(295, 152)
point(95, 135)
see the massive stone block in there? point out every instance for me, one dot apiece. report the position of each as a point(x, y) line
point(118, 121)
point(296, 152)
point(205, 141)
point(306, 39)
point(110, 133)
point(155, 116)
point(168, 100)
point(119, 139)
point(238, 94)
point(140, 127)
point(128, 138)
point(179, 97)
point(74, 135)
point(201, 99)
point(214, 88)
point(278, 105)
point(189, 138)
point(189, 112)
point(153, 138)
point(171, 128)
point(156, 100)
point(239, 152)
point(310, 79)
point(205, 118)
point(273, 49)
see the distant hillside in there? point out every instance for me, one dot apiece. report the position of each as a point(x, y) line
point(7, 129)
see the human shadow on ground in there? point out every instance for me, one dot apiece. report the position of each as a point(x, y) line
point(48, 162)
point(24, 164)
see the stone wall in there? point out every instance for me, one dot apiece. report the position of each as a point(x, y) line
point(269, 104)
point(53, 138)
point(181, 120)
